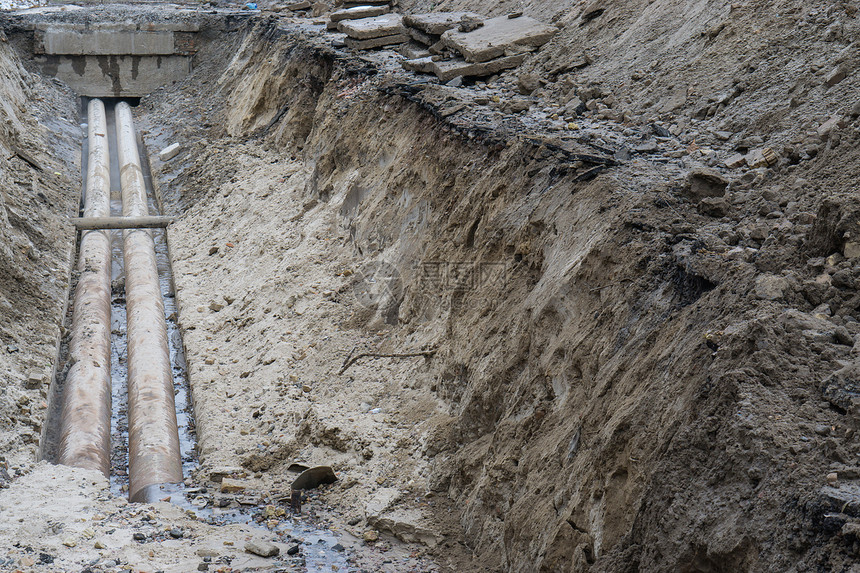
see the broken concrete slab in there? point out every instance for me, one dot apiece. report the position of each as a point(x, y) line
point(358, 13)
point(375, 42)
point(413, 51)
point(448, 70)
point(377, 27)
point(422, 38)
point(437, 23)
point(499, 36)
point(422, 65)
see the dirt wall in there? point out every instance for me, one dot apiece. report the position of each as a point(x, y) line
point(39, 188)
point(618, 381)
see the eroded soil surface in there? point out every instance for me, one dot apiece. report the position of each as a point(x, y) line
point(511, 359)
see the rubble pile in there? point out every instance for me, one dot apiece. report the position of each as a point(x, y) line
point(460, 44)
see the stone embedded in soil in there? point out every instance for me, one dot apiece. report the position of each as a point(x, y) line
point(229, 485)
point(771, 287)
point(294, 550)
point(703, 183)
point(378, 27)
point(499, 36)
point(262, 548)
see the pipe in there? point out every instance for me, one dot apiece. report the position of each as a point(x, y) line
point(154, 222)
point(85, 419)
point(153, 437)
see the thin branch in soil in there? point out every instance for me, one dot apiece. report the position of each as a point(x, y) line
point(350, 359)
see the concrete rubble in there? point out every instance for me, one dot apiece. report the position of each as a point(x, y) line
point(465, 44)
point(357, 12)
point(368, 33)
point(500, 36)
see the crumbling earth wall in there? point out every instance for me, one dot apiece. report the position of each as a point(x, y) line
point(39, 188)
point(628, 383)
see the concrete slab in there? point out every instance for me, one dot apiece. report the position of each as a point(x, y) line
point(437, 23)
point(103, 43)
point(448, 70)
point(499, 36)
point(114, 76)
point(371, 43)
point(413, 51)
point(421, 65)
point(359, 12)
point(421, 37)
point(378, 27)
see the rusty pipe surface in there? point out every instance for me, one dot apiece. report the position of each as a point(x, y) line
point(153, 437)
point(85, 418)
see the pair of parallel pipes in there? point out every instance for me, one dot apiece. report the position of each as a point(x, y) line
point(153, 436)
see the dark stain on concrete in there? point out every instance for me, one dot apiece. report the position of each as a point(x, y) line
point(109, 66)
point(79, 64)
point(135, 65)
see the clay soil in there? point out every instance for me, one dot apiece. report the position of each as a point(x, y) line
point(512, 361)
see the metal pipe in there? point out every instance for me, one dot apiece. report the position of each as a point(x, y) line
point(85, 418)
point(153, 437)
point(154, 222)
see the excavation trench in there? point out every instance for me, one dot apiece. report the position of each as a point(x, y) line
point(143, 439)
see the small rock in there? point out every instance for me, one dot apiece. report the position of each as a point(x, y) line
point(354, 521)
point(528, 83)
point(832, 478)
point(215, 306)
point(706, 183)
point(370, 536)
point(714, 207)
point(822, 429)
point(771, 287)
point(735, 161)
point(229, 485)
point(337, 547)
point(99, 545)
point(45, 558)
point(273, 511)
point(828, 126)
point(169, 152)
point(138, 536)
point(176, 533)
point(835, 76)
point(69, 542)
point(262, 548)
point(294, 550)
